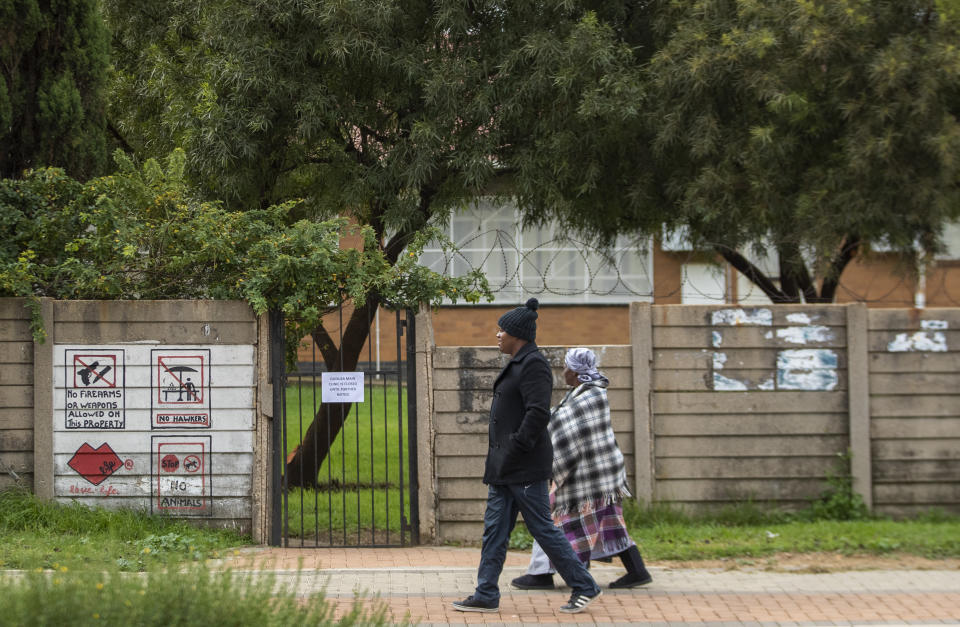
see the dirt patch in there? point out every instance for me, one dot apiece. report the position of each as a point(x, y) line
point(818, 563)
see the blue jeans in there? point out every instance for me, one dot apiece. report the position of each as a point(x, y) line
point(504, 502)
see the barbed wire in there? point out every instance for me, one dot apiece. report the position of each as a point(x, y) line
point(624, 271)
point(541, 269)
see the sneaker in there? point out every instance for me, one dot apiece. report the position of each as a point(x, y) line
point(534, 582)
point(579, 602)
point(473, 604)
point(631, 580)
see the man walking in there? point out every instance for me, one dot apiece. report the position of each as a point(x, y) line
point(519, 465)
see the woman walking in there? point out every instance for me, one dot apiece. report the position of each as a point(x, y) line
point(590, 479)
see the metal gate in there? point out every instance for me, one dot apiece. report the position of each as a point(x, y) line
point(365, 488)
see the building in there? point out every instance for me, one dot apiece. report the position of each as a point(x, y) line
point(585, 297)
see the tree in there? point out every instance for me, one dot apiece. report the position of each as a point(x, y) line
point(804, 128)
point(54, 59)
point(140, 234)
point(345, 105)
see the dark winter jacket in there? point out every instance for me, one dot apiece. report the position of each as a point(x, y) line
point(520, 449)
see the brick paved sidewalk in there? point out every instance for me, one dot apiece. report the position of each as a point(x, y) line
point(422, 582)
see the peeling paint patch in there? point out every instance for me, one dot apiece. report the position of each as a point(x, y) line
point(812, 380)
point(799, 318)
point(920, 341)
point(807, 369)
point(717, 338)
point(768, 335)
point(725, 384)
point(718, 360)
point(802, 335)
point(806, 359)
point(766, 384)
point(934, 324)
point(737, 317)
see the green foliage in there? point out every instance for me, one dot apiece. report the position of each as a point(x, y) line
point(795, 131)
point(341, 106)
point(839, 501)
point(55, 59)
point(38, 534)
point(520, 539)
point(169, 597)
point(142, 234)
point(344, 105)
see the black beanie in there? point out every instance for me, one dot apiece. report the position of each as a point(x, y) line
point(522, 321)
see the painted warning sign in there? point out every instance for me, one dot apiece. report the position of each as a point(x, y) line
point(95, 389)
point(180, 465)
point(95, 464)
point(180, 388)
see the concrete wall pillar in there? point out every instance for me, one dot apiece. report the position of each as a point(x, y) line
point(43, 406)
point(263, 463)
point(858, 383)
point(426, 428)
point(641, 338)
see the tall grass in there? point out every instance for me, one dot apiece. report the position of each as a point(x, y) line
point(192, 596)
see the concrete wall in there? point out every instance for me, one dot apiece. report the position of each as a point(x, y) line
point(728, 423)
point(914, 373)
point(158, 406)
point(16, 394)
point(717, 404)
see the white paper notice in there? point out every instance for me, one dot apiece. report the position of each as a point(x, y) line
point(341, 387)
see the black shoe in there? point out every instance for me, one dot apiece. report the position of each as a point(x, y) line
point(472, 604)
point(631, 580)
point(534, 582)
point(579, 602)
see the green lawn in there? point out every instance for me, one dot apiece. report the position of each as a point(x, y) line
point(364, 481)
point(746, 531)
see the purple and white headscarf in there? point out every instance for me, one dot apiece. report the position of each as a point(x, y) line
point(583, 361)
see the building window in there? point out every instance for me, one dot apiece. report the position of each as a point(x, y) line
point(520, 263)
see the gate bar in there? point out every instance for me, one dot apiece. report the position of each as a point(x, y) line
point(412, 455)
point(278, 385)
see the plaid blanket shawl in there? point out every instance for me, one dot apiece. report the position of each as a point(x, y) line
point(588, 466)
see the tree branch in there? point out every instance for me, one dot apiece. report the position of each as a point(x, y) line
point(849, 250)
point(120, 138)
point(745, 267)
point(794, 276)
point(331, 354)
